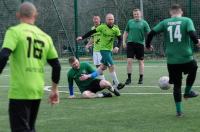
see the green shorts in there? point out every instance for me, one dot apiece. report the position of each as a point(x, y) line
point(106, 57)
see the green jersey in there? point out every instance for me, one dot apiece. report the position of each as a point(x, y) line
point(136, 30)
point(108, 36)
point(30, 47)
point(75, 74)
point(178, 43)
point(96, 40)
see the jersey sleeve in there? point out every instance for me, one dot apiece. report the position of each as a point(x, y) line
point(70, 78)
point(10, 40)
point(190, 25)
point(159, 27)
point(118, 32)
point(147, 28)
point(89, 68)
point(52, 53)
point(127, 27)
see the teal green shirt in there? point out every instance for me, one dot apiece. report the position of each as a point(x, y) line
point(178, 43)
point(75, 74)
point(136, 30)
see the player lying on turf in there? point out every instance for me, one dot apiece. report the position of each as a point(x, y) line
point(109, 32)
point(90, 86)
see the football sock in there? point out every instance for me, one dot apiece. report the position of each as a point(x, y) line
point(178, 106)
point(114, 77)
point(141, 76)
point(129, 76)
point(102, 77)
point(100, 95)
point(188, 89)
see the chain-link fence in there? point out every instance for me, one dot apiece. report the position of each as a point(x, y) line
point(56, 17)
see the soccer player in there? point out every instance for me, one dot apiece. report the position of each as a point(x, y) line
point(178, 33)
point(94, 41)
point(108, 32)
point(90, 86)
point(134, 34)
point(28, 48)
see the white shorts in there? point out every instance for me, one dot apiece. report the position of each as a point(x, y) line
point(97, 58)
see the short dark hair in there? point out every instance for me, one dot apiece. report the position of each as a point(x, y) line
point(136, 9)
point(72, 59)
point(175, 7)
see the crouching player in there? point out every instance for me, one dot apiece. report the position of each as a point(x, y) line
point(90, 86)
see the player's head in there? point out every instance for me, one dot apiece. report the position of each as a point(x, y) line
point(110, 19)
point(74, 62)
point(27, 12)
point(175, 10)
point(96, 20)
point(137, 15)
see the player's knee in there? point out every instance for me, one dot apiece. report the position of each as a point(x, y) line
point(103, 67)
point(105, 83)
point(86, 94)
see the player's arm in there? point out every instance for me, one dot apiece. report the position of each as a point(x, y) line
point(193, 37)
point(55, 76)
point(70, 86)
point(90, 43)
point(88, 34)
point(4, 56)
point(125, 35)
point(150, 36)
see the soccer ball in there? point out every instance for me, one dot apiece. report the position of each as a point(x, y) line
point(164, 83)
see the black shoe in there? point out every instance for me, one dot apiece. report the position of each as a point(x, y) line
point(192, 94)
point(114, 90)
point(105, 94)
point(140, 81)
point(179, 114)
point(120, 86)
point(128, 81)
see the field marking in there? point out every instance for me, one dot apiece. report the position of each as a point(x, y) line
point(47, 88)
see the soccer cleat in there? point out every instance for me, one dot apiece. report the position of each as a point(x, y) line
point(128, 81)
point(179, 114)
point(140, 81)
point(114, 90)
point(105, 94)
point(120, 86)
point(192, 94)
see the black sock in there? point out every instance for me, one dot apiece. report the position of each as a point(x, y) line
point(141, 76)
point(129, 76)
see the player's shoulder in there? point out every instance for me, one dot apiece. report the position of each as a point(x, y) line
point(116, 26)
point(84, 63)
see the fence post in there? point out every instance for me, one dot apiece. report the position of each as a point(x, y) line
point(76, 25)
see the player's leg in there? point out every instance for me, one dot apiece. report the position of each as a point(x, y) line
point(97, 62)
point(175, 76)
point(106, 84)
point(93, 88)
point(140, 57)
point(33, 115)
point(19, 115)
point(190, 69)
point(130, 56)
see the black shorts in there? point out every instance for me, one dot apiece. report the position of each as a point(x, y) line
point(135, 50)
point(23, 114)
point(176, 70)
point(95, 86)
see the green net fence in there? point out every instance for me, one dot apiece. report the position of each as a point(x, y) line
point(56, 17)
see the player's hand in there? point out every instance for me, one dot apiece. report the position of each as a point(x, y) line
point(79, 38)
point(149, 48)
point(71, 97)
point(54, 97)
point(84, 77)
point(198, 44)
point(115, 50)
point(124, 45)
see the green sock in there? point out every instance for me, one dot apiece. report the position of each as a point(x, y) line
point(178, 106)
point(188, 89)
